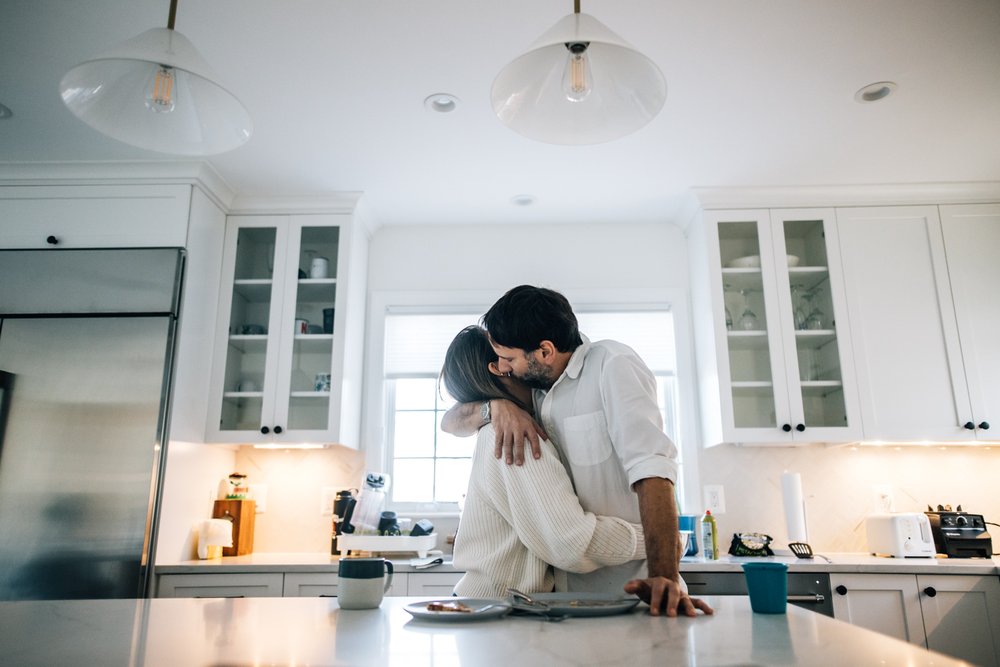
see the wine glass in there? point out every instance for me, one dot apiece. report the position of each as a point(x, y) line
point(799, 312)
point(729, 316)
point(748, 319)
point(816, 319)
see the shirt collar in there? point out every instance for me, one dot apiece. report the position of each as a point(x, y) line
point(575, 365)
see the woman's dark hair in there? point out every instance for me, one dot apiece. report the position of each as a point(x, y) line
point(466, 374)
point(526, 315)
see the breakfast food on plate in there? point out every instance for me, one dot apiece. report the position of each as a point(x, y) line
point(448, 606)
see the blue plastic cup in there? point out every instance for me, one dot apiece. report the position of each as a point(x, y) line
point(767, 584)
point(692, 523)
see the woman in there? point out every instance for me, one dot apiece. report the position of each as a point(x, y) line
point(520, 522)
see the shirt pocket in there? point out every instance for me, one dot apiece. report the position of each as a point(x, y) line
point(587, 442)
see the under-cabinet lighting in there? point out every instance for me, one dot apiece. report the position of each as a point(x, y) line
point(279, 445)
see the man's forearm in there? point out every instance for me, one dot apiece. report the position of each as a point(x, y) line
point(462, 419)
point(658, 512)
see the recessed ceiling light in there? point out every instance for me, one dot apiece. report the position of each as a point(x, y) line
point(5, 112)
point(441, 102)
point(523, 200)
point(874, 92)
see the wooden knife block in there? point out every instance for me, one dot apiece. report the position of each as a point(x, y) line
point(242, 514)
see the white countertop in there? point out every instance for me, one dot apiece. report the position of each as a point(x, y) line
point(314, 631)
point(841, 562)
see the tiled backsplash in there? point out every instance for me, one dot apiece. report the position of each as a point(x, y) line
point(838, 487)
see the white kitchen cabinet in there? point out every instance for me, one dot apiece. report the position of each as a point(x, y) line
point(774, 354)
point(268, 373)
point(325, 584)
point(923, 317)
point(955, 614)
point(225, 585)
point(962, 616)
point(94, 216)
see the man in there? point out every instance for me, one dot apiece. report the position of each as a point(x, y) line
point(597, 403)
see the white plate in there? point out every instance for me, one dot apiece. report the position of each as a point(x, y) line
point(482, 608)
point(753, 262)
point(580, 604)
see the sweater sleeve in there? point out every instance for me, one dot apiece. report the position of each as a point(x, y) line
point(549, 521)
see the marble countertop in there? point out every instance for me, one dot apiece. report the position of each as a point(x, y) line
point(315, 631)
point(840, 562)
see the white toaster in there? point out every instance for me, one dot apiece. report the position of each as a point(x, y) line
point(900, 535)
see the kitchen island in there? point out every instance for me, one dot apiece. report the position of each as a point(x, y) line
point(315, 631)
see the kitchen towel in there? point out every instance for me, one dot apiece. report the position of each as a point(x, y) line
point(795, 507)
point(214, 532)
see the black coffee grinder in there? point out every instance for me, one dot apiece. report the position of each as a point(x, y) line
point(343, 504)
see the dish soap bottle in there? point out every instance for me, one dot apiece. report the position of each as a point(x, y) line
point(709, 536)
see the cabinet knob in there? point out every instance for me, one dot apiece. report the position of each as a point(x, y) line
point(969, 425)
point(787, 428)
point(800, 427)
point(930, 591)
point(265, 430)
point(277, 429)
point(841, 589)
point(984, 425)
point(51, 240)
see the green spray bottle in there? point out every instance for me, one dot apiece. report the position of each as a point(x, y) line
point(709, 536)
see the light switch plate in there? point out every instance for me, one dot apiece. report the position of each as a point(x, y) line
point(715, 498)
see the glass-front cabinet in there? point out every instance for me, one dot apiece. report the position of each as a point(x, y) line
point(275, 371)
point(782, 351)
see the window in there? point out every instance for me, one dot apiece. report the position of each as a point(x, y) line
point(430, 468)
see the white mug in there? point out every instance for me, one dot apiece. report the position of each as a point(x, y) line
point(319, 268)
point(361, 582)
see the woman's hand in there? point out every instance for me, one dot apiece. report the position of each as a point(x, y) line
point(513, 427)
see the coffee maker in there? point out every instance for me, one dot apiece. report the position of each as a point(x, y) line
point(343, 505)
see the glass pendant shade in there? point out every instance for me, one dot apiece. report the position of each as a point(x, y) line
point(156, 92)
point(579, 83)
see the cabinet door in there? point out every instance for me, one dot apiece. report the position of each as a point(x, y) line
point(971, 239)
point(275, 372)
point(907, 355)
point(783, 350)
point(432, 583)
point(962, 616)
point(886, 603)
point(241, 585)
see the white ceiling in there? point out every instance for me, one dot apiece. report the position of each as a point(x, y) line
point(759, 94)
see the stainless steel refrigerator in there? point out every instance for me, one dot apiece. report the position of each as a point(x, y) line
point(87, 341)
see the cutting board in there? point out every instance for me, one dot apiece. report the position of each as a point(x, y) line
point(242, 514)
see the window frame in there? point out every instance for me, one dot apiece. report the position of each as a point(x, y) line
point(378, 449)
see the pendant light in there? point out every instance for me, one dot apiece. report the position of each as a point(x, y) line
point(155, 91)
point(579, 83)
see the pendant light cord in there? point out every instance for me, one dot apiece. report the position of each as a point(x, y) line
point(173, 14)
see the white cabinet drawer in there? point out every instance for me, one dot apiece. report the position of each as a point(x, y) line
point(325, 584)
point(251, 584)
point(433, 583)
point(91, 216)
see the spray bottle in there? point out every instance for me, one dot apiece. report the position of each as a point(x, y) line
point(709, 536)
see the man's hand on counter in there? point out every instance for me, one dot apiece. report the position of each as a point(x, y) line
point(665, 595)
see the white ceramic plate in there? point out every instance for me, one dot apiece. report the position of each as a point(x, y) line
point(482, 608)
point(753, 262)
point(581, 604)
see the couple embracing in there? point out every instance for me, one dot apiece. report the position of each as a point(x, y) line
point(592, 507)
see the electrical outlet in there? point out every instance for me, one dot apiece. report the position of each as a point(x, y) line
point(715, 498)
point(326, 497)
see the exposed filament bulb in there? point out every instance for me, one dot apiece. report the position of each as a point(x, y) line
point(577, 82)
point(160, 98)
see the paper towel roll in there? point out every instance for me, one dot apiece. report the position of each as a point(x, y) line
point(795, 507)
point(214, 532)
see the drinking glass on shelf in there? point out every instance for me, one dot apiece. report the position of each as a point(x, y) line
point(816, 319)
point(799, 311)
point(726, 289)
point(748, 319)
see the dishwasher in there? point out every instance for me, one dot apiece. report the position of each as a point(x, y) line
point(809, 590)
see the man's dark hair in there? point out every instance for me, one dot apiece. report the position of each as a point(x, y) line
point(527, 315)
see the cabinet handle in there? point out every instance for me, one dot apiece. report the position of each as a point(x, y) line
point(812, 597)
point(277, 429)
point(930, 591)
point(265, 430)
point(841, 589)
point(787, 428)
point(984, 425)
point(969, 425)
point(800, 427)
point(51, 240)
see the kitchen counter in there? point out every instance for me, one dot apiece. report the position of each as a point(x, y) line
point(314, 631)
point(858, 563)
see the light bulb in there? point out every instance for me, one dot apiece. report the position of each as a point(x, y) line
point(160, 95)
point(576, 81)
